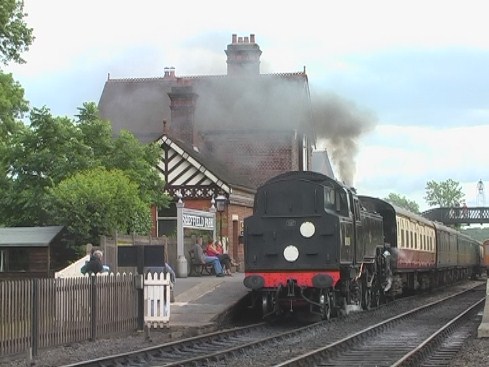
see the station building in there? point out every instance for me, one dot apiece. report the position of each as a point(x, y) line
point(220, 135)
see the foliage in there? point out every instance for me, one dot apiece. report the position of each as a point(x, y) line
point(478, 234)
point(98, 202)
point(403, 202)
point(51, 150)
point(15, 36)
point(39, 157)
point(12, 106)
point(444, 194)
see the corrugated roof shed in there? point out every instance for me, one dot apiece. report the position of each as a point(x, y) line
point(28, 236)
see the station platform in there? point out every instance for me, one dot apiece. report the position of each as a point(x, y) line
point(483, 330)
point(202, 303)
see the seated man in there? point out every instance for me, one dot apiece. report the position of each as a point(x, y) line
point(214, 260)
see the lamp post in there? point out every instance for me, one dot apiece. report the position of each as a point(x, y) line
point(221, 202)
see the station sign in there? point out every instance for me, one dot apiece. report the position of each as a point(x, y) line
point(197, 219)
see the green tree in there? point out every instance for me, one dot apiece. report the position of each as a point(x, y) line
point(39, 157)
point(15, 36)
point(403, 202)
point(444, 194)
point(53, 149)
point(98, 202)
point(126, 153)
point(12, 106)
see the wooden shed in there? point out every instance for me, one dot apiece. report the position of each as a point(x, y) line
point(26, 251)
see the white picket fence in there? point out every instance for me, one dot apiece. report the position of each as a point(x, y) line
point(157, 293)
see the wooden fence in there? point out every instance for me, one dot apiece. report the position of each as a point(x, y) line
point(40, 313)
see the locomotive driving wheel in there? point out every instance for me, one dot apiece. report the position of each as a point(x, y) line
point(376, 294)
point(325, 304)
point(266, 304)
point(375, 301)
point(367, 298)
point(366, 293)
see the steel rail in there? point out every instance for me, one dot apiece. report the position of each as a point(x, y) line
point(318, 355)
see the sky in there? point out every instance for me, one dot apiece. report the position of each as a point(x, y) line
point(418, 70)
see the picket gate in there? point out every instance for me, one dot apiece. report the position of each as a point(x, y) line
point(157, 293)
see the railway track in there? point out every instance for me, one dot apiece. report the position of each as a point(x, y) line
point(428, 334)
point(235, 346)
point(216, 346)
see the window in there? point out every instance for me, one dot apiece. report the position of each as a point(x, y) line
point(167, 220)
point(328, 198)
point(18, 259)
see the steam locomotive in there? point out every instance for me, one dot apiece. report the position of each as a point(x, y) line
point(313, 244)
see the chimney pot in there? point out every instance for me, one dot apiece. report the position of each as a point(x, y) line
point(246, 40)
point(234, 38)
point(240, 39)
point(252, 38)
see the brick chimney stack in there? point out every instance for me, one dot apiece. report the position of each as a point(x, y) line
point(182, 105)
point(169, 73)
point(243, 56)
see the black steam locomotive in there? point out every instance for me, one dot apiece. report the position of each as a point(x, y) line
point(313, 244)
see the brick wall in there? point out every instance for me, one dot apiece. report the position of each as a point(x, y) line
point(254, 157)
point(235, 248)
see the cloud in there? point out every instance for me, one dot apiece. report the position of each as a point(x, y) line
point(411, 77)
point(403, 159)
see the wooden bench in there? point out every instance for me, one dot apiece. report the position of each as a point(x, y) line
point(197, 268)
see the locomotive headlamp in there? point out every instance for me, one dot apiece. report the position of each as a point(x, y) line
point(291, 253)
point(307, 229)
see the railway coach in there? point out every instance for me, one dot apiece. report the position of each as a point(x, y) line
point(425, 254)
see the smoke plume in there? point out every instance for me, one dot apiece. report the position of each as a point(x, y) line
point(339, 123)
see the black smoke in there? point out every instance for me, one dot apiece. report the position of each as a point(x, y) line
point(339, 123)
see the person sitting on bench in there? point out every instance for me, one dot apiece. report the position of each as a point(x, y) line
point(214, 260)
point(216, 249)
